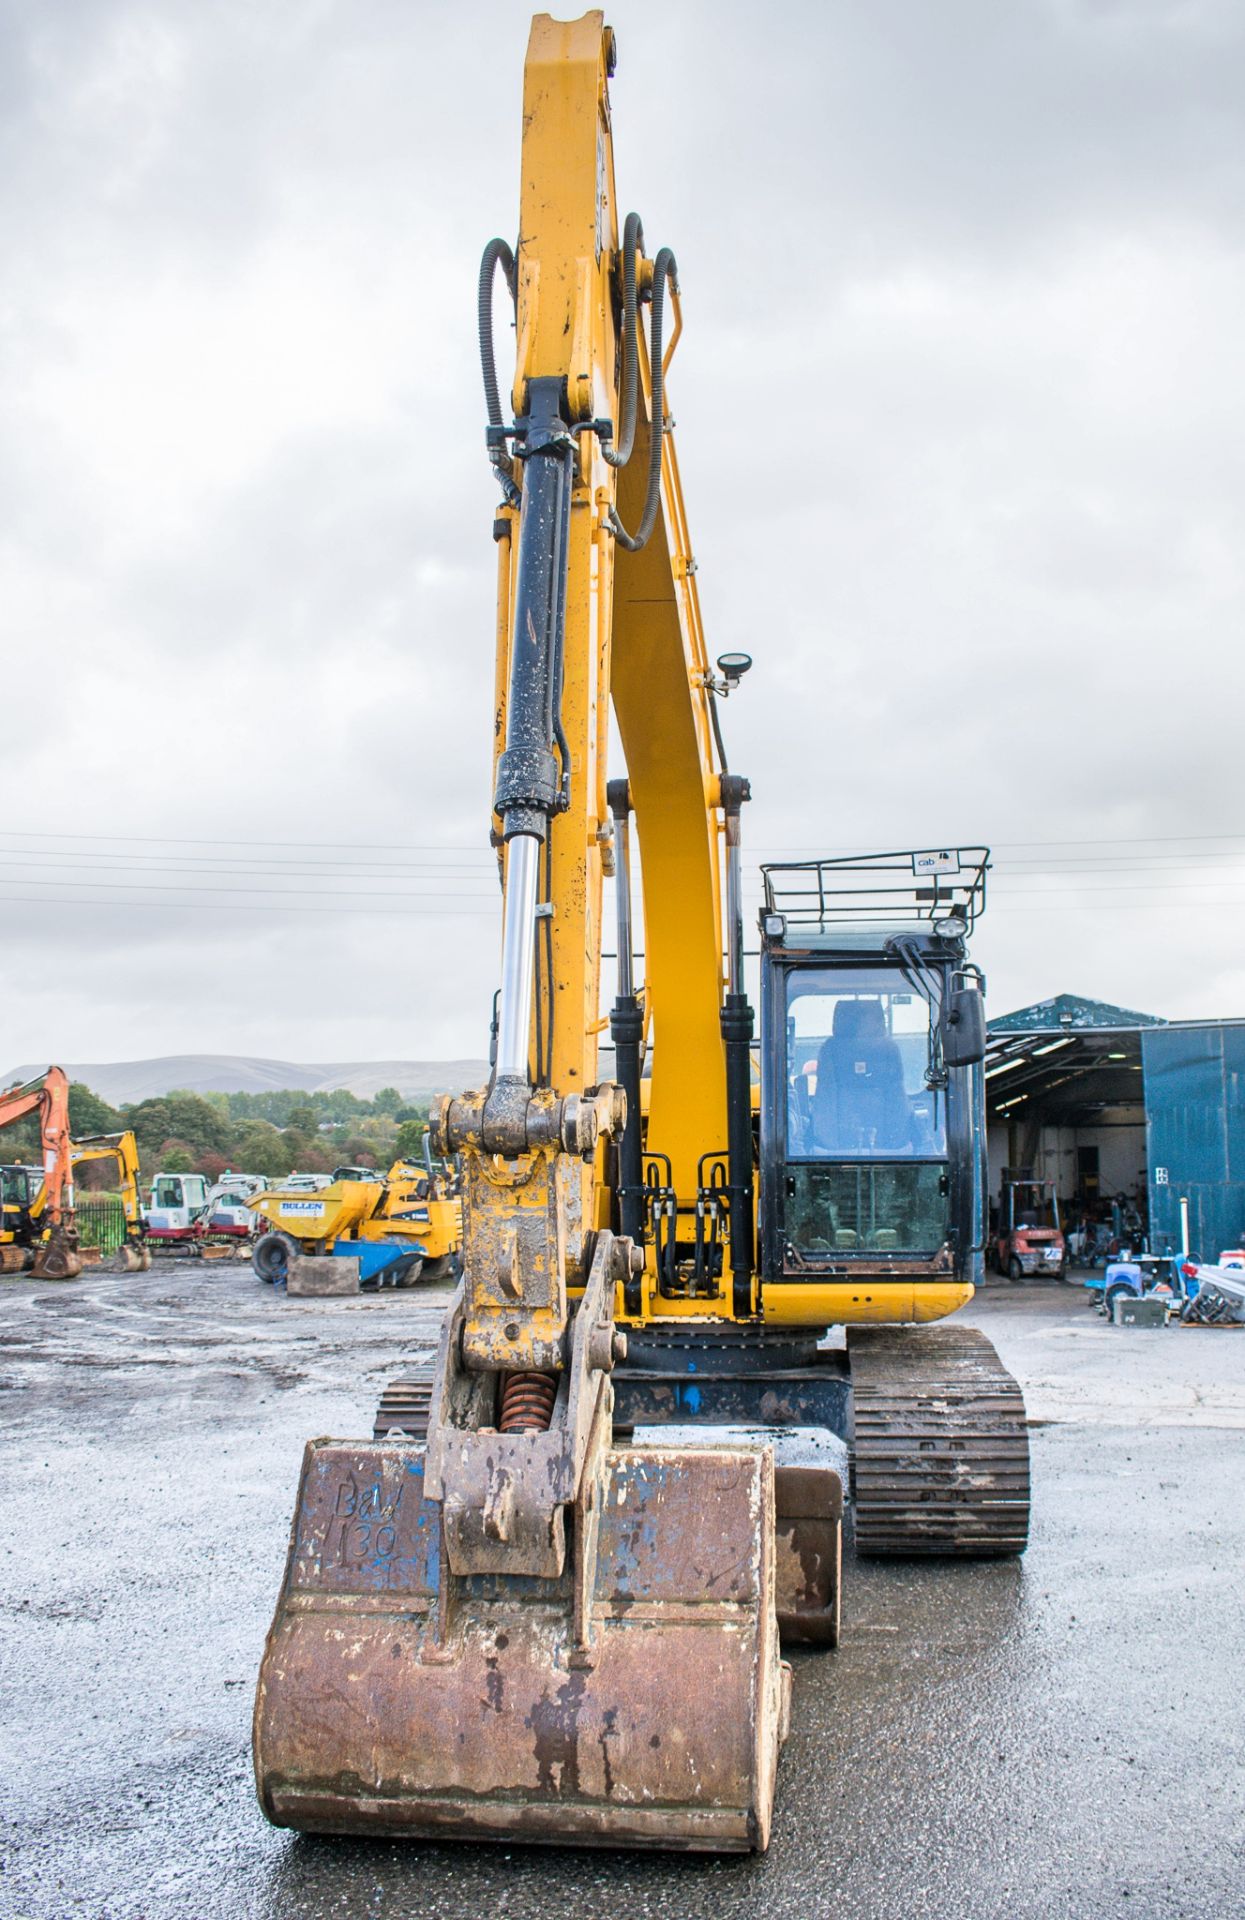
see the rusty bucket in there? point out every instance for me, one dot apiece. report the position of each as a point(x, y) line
point(57, 1256)
point(637, 1699)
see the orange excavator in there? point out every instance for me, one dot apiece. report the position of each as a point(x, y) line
point(54, 1241)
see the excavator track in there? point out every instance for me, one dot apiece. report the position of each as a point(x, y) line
point(940, 1457)
point(405, 1406)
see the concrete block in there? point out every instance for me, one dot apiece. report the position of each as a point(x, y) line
point(313, 1276)
point(1127, 1311)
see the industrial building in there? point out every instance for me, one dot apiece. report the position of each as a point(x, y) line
point(1126, 1113)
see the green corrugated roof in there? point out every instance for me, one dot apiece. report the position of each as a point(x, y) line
point(1067, 1012)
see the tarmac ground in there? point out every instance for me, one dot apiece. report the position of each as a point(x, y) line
point(1061, 1736)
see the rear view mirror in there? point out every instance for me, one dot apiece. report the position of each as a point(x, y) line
point(963, 1028)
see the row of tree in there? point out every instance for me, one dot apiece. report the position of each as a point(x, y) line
point(274, 1133)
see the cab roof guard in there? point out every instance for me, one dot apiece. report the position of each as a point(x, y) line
point(918, 887)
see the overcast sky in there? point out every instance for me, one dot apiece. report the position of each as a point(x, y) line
point(960, 404)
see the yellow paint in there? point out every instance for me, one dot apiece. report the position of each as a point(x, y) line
point(856, 1303)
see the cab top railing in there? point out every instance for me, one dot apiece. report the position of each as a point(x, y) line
point(915, 887)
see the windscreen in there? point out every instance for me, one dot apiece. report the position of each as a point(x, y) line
point(857, 1054)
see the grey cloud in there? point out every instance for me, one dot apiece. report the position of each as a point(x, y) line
point(959, 405)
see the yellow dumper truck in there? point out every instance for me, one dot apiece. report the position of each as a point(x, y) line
point(398, 1225)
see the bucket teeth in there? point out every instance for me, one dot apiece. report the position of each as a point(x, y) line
point(640, 1706)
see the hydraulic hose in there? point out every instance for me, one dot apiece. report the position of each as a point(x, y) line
point(665, 268)
point(633, 243)
point(495, 253)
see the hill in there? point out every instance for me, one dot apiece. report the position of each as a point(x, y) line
point(122, 1081)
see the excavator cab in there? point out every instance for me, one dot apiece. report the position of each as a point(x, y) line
point(872, 1118)
point(18, 1187)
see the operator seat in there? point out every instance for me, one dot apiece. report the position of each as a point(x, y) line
point(860, 1104)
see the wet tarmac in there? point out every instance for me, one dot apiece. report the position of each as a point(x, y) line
point(1060, 1737)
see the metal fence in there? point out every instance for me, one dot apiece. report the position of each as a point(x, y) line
point(100, 1220)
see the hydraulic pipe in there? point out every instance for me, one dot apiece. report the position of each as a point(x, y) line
point(737, 1027)
point(514, 1011)
point(627, 1032)
point(734, 908)
point(620, 807)
point(529, 789)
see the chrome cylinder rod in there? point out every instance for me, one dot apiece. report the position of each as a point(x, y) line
point(514, 1013)
point(734, 907)
point(622, 902)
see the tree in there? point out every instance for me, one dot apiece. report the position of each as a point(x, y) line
point(152, 1124)
point(388, 1100)
point(89, 1114)
point(211, 1165)
point(95, 1176)
point(175, 1157)
point(199, 1123)
point(409, 1144)
point(261, 1149)
point(304, 1120)
point(184, 1116)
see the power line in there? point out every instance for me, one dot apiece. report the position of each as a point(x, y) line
point(175, 840)
point(157, 863)
point(451, 900)
point(409, 847)
point(124, 866)
point(997, 846)
point(278, 905)
point(225, 906)
point(23, 860)
point(165, 886)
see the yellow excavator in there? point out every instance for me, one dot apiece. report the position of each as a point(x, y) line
point(133, 1255)
point(514, 1613)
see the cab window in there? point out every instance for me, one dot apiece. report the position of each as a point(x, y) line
point(857, 1054)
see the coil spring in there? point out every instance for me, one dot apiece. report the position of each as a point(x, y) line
point(527, 1402)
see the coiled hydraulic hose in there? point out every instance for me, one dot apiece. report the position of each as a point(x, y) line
point(633, 243)
point(497, 252)
point(665, 268)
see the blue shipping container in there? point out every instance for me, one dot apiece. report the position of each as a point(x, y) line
point(1195, 1125)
